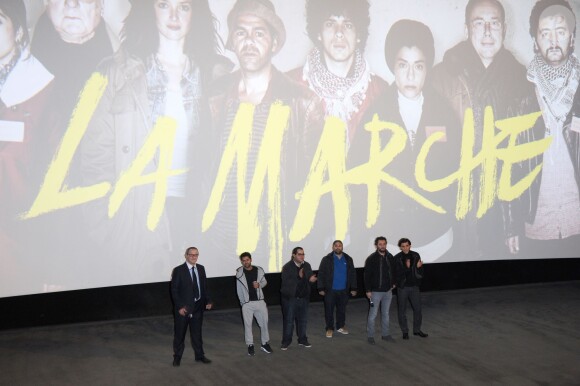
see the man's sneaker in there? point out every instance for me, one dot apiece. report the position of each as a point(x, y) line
point(251, 351)
point(329, 333)
point(343, 330)
point(388, 338)
point(266, 348)
point(371, 340)
point(305, 344)
point(284, 346)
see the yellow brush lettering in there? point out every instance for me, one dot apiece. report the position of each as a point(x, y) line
point(54, 194)
point(329, 158)
point(514, 154)
point(237, 147)
point(267, 169)
point(162, 136)
point(491, 152)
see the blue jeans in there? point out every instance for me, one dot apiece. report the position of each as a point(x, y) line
point(382, 300)
point(294, 310)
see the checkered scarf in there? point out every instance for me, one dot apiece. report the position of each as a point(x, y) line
point(342, 96)
point(557, 85)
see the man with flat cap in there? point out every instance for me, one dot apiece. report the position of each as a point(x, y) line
point(260, 118)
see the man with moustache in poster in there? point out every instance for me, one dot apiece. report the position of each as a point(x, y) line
point(256, 34)
point(553, 223)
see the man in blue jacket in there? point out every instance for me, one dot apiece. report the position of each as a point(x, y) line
point(336, 277)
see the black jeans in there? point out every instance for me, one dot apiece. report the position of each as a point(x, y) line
point(294, 310)
point(413, 295)
point(335, 299)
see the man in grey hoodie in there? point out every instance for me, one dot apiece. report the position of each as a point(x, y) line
point(250, 280)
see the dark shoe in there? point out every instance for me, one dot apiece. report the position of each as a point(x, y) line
point(421, 334)
point(305, 344)
point(251, 351)
point(284, 346)
point(371, 340)
point(266, 348)
point(203, 360)
point(388, 338)
point(406, 336)
point(176, 361)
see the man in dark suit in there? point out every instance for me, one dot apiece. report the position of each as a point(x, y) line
point(190, 299)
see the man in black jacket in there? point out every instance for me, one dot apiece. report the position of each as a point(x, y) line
point(409, 275)
point(336, 277)
point(190, 300)
point(297, 276)
point(379, 282)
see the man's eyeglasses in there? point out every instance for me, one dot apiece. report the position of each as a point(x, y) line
point(300, 254)
point(193, 254)
point(481, 25)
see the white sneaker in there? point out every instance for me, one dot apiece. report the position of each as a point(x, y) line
point(343, 331)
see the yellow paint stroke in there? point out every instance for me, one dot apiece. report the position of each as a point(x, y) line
point(268, 166)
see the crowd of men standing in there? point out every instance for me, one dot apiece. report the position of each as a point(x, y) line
point(336, 282)
point(167, 65)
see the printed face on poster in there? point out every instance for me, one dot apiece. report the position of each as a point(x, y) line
point(130, 131)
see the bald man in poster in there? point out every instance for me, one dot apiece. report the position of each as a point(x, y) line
point(474, 74)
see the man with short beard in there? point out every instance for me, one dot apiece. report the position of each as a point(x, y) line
point(336, 281)
point(250, 281)
point(256, 34)
point(555, 71)
point(379, 276)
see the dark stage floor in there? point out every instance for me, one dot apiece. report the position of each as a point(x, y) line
point(516, 335)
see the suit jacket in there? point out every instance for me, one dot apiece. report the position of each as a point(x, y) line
point(182, 287)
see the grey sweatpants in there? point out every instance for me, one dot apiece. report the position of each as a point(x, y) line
point(258, 310)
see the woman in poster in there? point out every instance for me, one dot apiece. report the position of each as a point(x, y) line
point(411, 104)
point(168, 52)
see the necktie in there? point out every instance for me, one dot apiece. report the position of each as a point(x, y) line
point(195, 284)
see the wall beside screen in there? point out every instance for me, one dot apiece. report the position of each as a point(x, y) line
point(154, 299)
